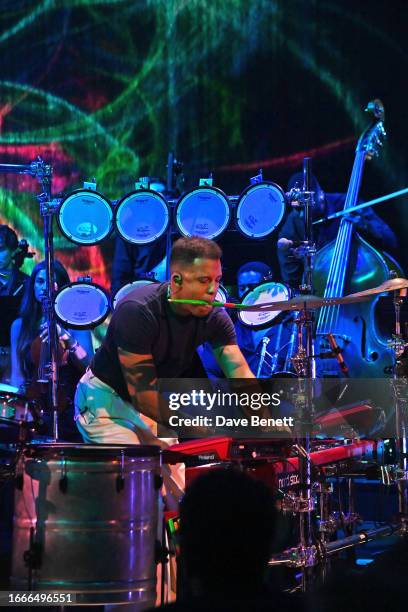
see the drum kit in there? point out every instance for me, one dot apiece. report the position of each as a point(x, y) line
point(261, 306)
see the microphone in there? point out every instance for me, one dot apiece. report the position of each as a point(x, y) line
point(284, 244)
point(337, 353)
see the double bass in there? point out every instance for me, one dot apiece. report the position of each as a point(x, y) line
point(347, 265)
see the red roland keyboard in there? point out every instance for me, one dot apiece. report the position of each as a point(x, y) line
point(268, 460)
point(222, 448)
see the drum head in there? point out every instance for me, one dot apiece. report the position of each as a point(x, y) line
point(81, 305)
point(142, 216)
point(123, 291)
point(265, 292)
point(85, 217)
point(203, 212)
point(260, 209)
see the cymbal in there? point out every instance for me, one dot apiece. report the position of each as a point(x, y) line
point(393, 284)
point(300, 302)
point(309, 302)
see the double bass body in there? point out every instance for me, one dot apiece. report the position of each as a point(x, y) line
point(365, 350)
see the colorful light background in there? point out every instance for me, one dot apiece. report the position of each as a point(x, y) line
point(106, 89)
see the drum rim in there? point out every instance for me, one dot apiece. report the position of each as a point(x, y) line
point(74, 240)
point(266, 324)
point(138, 280)
point(224, 290)
point(131, 193)
point(201, 188)
point(92, 450)
point(96, 322)
point(241, 198)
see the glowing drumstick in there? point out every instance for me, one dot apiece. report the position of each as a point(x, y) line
point(205, 303)
point(254, 307)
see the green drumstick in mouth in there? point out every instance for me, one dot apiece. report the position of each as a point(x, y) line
point(205, 303)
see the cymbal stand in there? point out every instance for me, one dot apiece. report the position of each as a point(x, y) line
point(400, 392)
point(174, 169)
point(305, 369)
point(43, 173)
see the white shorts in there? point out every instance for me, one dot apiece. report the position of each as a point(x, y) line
point(103, 417)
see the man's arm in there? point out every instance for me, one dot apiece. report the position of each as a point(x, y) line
point(232, 361)
point(140, 375)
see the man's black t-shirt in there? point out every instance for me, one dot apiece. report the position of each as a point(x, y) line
point(144, 323)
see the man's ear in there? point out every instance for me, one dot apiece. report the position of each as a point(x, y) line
point(177, 278)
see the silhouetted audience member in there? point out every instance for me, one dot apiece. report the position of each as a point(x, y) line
point(227, 526)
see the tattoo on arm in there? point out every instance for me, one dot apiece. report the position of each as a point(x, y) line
point(139, 372)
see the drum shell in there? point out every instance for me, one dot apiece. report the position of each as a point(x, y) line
point(96, 534)
point(82, 320)
point(199, 223)
point(260, 219)
point(143, 231)
point(91, 218)
point(264, 318)
point(13, 412)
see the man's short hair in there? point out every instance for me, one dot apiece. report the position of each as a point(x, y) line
point(8, 238)
point(186, 250)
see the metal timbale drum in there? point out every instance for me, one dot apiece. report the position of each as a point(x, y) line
point(85, 522)
point(203, 211)
point(85, 217)
point(142, 216)
point(263, 293)
point(81, 305)
point(260, 209)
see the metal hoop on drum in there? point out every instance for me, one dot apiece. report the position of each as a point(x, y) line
point(260, 209)
point(81, 305)
point(123, 291)
point(203, 211)
point(265, 292)
point(142, 216)
point(85, 217)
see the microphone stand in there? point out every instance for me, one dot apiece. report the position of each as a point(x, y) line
point(43, 173)
point(399, 384)
point(174, 167)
